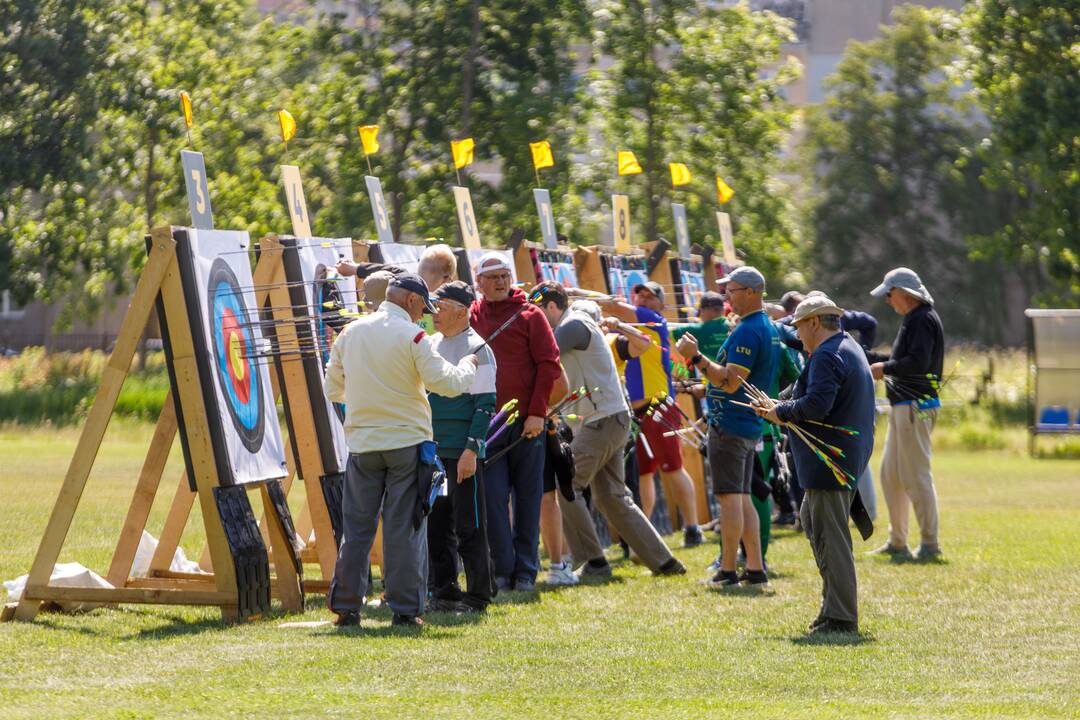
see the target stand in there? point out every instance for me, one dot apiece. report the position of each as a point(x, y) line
point(241, 584)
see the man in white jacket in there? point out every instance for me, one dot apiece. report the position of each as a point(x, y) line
point(381, 367)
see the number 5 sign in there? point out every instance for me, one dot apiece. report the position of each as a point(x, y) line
point(620, 220)
point(198, 192)
point(294, 199)
point(470, 234)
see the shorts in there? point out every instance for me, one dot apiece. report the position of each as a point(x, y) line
point(659, 452)
point(731, 462)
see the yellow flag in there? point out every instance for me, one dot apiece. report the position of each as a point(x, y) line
point(185, 105)
point(541, 152)
point(463, 152)
point(723, 190)
point(288, 125)
point(369, 137)
point(628, 164)
point(680, 174)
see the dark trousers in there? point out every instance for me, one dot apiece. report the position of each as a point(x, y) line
point(461, 514)
point(514, 485)
point(386, 482)
point(824, 517)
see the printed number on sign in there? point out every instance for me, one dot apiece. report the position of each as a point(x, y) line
point(200, 198)
point(469, 229)
point(622, 223)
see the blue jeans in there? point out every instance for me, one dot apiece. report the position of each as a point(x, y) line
point(516, 479)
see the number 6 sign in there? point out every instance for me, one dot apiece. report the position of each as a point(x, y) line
point(470, 236)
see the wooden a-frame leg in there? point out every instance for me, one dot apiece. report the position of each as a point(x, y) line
point(145, 491)
point(162, 257)
point(288, 581)
point(175, 522)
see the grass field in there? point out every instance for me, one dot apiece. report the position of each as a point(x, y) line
point(992, 632)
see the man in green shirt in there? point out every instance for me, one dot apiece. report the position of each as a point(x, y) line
point(460, 427)
point(712, 330)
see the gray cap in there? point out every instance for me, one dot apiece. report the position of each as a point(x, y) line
point(746, 276)
point(815, 305)
point(653, 287)
point(904, 279)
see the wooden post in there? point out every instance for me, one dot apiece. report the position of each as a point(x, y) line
point(162, 259)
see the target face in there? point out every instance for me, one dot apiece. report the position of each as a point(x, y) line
point(234, 358)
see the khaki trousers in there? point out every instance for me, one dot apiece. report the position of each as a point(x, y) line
point(598, 464)
point(905, 474)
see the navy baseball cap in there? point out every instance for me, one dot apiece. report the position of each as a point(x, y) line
point(414, 284)
point(458, 291)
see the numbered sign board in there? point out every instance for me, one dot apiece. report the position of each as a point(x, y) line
point(620, 221)
point(682, 231)
point(547, 218)
point(294, 199)
point(378, 210)
point(723, 220)
point(470, 233)
point(198, 191)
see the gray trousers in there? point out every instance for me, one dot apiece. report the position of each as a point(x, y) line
point(598, 463)
point(824, 517)
point(385, 480)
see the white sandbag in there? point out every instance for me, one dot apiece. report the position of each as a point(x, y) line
point(64, 575)
point(145, 553)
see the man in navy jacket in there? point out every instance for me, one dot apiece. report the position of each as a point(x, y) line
point(834, 391)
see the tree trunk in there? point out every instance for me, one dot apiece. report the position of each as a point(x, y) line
point(468, 69)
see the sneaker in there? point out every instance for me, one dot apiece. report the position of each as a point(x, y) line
point(445, 605)
point(928, 552)
point(525, 585)
point(755, 579)
point(714, 565)
point(893, 551)
point(671, 567)
point(350, 618)
point(503, 584)
point(723, 579)
point(692, 536)
point(828, 626)
point(817, 621)
point(561, 574)
point(407, 621)
point(784, 519)
point(588, 570)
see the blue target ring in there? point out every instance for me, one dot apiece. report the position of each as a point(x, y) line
point(235, 355)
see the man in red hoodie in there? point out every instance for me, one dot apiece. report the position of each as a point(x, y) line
point(527, 359)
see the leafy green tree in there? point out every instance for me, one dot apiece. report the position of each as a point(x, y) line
point(1023, 58)
point(701, 86)
point(895, 180)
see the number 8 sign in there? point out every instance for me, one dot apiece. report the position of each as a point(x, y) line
point(620, 220)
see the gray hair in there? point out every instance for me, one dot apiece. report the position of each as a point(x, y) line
point(829, 322)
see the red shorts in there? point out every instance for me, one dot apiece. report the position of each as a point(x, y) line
point(663, 453)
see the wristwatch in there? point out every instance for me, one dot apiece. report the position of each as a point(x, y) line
point(694, 361)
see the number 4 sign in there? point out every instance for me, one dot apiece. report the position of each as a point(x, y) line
point(198, 191)
point(294, 199)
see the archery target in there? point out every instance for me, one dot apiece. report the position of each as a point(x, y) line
point(234, 357)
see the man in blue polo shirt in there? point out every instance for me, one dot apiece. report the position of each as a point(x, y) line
point(751, 353)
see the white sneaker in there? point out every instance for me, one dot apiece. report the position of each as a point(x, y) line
point(561, 574)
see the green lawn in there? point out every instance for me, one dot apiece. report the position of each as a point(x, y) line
point(993, 632)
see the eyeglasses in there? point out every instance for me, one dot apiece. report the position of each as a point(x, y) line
point(735, 290)
point(501, 277)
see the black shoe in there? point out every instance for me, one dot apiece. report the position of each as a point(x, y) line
point(817, 621)
point(671, 567)
point(784, 519)
point(829, 626)
point(692, 537)
point(625, 550)
point(443, 605)
point(465, 608)
point(350, 618)
point(407, 621)
point(755, 578)
point(724, 579)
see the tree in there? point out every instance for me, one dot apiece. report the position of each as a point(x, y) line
point(895, 180)
point(701, 86)
point(1023, 58)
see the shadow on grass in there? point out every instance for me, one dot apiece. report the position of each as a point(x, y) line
point(844, 639)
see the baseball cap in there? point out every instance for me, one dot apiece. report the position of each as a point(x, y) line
point(457, 291)
point(413, 283)
point(905, 279)
point(746, 276)
point(711, 299)
point(653, 287)
point(815, 305)
point(491, 262)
